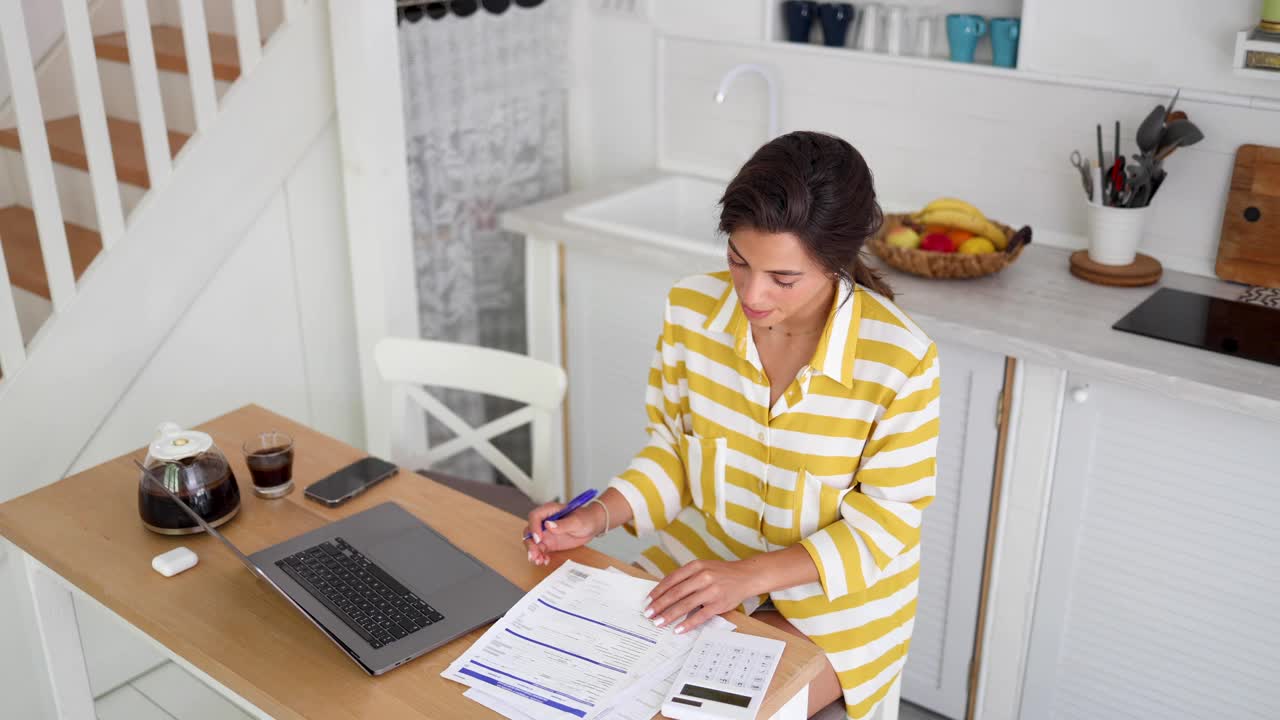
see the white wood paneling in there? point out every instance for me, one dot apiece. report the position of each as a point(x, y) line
point(322, 277)
point(1159, 577)
point(114, 652)
point(24, 684)
point(238, 343)
point(997, 140)
point(367, 92)
point(953, 536)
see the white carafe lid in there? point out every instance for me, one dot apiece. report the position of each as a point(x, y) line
point(173, 443)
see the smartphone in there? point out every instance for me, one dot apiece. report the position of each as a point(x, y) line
point(350, 481)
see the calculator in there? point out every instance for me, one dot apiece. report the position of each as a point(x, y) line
point(724, 677)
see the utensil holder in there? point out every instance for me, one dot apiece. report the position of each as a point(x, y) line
point(1115, 233)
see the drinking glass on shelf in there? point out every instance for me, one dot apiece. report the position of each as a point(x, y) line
point(924, 25)
point(895, 29)
point(870, 27)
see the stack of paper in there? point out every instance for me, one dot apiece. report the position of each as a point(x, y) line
point(576, 645)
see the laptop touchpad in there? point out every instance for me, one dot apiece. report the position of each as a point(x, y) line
point(421, 560)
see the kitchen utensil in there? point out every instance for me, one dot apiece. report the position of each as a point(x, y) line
point(963, 33)
point(1144, 270)
point(1086, 174)
point(1138, 182)
point(1117, 181)
point(799, 19)
point(1249, 246)
point(1102, 187)
point(193, 468)
point(1177, 115)
point(1174, 101)
point(1149, 131)
point(836, 18)
point(1004, 41)
point(1179, 133)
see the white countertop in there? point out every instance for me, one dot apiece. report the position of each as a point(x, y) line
point(1033, 310)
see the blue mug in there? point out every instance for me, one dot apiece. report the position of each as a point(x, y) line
point(963, 33)
point(799, 16)
point(1004, 41)
point(836, 19)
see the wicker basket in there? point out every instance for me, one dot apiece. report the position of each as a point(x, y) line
point(930, 264)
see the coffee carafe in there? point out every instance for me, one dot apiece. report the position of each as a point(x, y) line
point(191, 466)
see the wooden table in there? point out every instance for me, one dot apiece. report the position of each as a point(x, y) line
point(83, 535)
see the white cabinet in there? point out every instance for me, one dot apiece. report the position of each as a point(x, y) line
point(954, 532)
point(1159, 579)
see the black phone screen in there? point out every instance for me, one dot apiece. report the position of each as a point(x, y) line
point(351, 478)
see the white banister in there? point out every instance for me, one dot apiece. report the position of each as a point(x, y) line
point(146, 84)
point(93, 122)
point(195, 38)
point(35, 155)
point(248, 39)
point(291, 8)
point(12, 351)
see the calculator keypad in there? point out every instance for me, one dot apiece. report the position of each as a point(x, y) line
point(740, 668)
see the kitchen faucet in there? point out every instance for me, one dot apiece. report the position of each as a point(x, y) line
point(770, 85)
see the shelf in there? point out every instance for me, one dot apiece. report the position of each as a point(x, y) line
point(934, 63)
point(1250, 41)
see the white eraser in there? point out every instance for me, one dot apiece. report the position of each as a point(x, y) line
point(173, 562)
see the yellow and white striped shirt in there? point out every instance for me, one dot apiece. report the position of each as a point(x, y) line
point(844, 463)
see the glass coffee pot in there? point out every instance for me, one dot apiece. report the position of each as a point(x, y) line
point(191, 466)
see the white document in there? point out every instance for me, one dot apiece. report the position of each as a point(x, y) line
point(571, 647)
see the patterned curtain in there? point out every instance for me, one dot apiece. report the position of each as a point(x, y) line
point(485, 110)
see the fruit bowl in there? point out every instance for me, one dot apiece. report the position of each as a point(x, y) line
point(932, 264)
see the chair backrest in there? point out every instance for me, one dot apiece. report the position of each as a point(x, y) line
point(408, 364)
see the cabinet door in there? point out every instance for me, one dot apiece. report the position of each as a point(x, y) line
point(954, 532)
point(1159, 579)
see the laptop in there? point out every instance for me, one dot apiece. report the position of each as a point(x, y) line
point(381, 584)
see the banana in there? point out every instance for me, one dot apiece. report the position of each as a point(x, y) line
point(946, 203)
point(979, 225)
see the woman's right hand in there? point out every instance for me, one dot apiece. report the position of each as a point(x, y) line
point(567, 533)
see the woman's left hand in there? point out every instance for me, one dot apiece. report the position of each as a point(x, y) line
point(717, 585)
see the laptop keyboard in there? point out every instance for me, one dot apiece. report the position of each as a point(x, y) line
point(368, 600)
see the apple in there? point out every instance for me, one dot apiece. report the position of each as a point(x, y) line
point(903, 237)
point(937, 242)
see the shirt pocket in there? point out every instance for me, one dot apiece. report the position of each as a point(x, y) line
point(704, 459)
point(797, 507)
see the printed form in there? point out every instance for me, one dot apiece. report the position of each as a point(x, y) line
point(577, 645)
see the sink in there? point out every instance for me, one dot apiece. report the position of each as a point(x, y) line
point(676, 211)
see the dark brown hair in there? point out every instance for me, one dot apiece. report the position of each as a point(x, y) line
point(817, 187)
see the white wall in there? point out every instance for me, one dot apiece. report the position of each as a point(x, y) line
point(274, 327)
point(44, 28)
point(999, 140)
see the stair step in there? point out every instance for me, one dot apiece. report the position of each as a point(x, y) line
point(66, 146)
point(21, 243)
point(171, 53)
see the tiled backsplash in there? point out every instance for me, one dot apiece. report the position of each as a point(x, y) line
point(999, 141)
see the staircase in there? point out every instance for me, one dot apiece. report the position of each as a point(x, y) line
point(133, 157)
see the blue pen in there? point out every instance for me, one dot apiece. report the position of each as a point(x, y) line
point(574, 504)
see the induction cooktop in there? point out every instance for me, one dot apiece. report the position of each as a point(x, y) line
point(1224, 326)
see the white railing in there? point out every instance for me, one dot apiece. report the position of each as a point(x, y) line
point(81, 55)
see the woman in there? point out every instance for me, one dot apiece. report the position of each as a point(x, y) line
point(793, 424)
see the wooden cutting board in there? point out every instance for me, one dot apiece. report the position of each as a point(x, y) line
point(1249, 248)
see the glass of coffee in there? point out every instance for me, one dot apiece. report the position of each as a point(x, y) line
point(269, 456)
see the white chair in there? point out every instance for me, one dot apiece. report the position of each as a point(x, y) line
point(409, 364)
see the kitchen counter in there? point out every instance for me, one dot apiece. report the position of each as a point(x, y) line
point(1034, 310)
